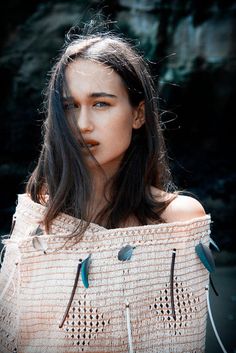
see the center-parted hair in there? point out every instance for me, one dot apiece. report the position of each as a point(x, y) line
point(61, 179)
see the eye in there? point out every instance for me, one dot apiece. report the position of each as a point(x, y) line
point(69, 106)
point(101, 104)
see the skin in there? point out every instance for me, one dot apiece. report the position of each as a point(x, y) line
point(97, 97)
point(100, 102)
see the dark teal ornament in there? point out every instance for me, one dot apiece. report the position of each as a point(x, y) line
point(85, 270)
point(125, 253)
point(206, 257)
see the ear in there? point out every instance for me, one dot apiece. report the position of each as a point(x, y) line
point(139, 116)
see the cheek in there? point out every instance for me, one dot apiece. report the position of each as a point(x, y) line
point(123, 122)
point(117, 127)
point(121, 133)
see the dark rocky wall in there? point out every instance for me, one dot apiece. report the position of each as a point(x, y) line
point(193, 45)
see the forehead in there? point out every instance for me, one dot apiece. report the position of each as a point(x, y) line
point(93, 75)
point(90, 69)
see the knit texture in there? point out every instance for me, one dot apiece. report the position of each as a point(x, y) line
point(37, 284)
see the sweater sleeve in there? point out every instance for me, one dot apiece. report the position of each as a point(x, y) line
point(9, 297)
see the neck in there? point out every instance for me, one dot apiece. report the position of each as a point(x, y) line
point(99, 193)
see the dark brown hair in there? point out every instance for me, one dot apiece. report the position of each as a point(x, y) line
point(61, 173)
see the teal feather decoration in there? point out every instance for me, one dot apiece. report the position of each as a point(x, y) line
point(215, 246)
point(85, 270)
point(125, 253)
point(206, 257)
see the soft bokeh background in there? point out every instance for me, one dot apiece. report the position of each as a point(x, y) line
point(192, 47)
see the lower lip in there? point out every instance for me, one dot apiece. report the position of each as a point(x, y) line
point(91, 148)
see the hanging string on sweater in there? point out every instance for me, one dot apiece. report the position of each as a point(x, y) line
point(212, 321)
point(72, 295)
point(172, 283)
point(129, 328)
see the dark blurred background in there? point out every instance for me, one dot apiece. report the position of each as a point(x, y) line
point(192, 47)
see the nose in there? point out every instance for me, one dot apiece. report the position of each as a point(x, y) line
point(84, 121)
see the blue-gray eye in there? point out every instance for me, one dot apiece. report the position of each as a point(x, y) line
point(101, 104)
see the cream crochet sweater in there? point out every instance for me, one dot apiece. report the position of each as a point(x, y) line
point(129, 306)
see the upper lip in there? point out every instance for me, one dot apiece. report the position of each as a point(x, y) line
point(89, 142)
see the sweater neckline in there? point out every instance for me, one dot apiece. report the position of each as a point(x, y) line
point(97, 227)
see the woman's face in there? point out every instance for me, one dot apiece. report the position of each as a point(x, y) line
point(98, 100)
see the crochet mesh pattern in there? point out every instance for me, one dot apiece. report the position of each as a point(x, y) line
point(37, 296)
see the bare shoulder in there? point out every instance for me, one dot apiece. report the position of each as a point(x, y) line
point(183, 208)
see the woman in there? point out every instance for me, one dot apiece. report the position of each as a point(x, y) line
point(101, 257)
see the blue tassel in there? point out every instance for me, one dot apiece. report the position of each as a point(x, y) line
point(84, 270)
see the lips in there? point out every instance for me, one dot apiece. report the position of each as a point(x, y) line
point(89, 143)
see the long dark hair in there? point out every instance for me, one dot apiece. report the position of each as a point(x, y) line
point(61, 180)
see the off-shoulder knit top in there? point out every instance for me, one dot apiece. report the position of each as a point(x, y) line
point(153, 302)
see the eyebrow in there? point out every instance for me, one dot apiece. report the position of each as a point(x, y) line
point(93, 95)
point(102, 94)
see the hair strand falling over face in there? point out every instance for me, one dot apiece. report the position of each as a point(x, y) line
point(61, 179)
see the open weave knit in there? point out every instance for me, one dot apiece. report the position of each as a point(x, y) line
point(36, 288)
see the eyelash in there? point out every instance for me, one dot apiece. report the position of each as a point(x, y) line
point(69, 106)
point(103, 104)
